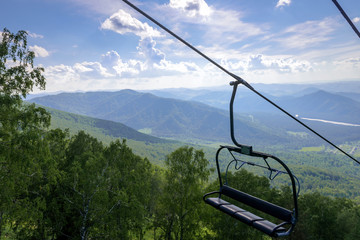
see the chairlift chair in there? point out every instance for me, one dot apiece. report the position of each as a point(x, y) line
point(286, 217)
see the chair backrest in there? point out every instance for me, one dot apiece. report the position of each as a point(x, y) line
point(257, 203)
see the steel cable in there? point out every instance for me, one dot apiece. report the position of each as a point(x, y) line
point(237, 78)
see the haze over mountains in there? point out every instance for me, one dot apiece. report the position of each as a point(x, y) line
point(257, 121)
point(162, 117)
point(315, 100)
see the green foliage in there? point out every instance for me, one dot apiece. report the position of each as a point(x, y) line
point(15, 77)
point(325, 172)
point(103, 192)
point(178, 216)
point(312, 149)
point(26, 169)
point(327, 218)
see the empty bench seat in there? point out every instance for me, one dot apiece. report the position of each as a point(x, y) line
point(245, 216)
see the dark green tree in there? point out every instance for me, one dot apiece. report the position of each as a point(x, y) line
point(323, 217)
point(130, 193)
point(23, 153)
point(181, 200)
point(105, 191)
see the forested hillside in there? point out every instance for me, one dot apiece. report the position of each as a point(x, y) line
point(162, 117)
point(258, 123)
point(317, 168)
point(147, 146)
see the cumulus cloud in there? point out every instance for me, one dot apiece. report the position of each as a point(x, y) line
point(122, 23)
point(181, 67)
point(115, 65)
point(148, 50)
point(91, 70)
point(356, 19)
point(282, 3)
point(110, 66)
point(60, 75)
point(259, 63)
point(193, 8)
point(287, 64)
point(39, 51)
point(111, 70)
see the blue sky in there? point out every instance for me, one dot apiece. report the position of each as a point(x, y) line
point(89, 45)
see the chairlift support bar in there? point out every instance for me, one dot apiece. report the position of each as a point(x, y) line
point(238, 79)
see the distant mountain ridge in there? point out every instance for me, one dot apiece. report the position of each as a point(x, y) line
point(325, 105)
point(259, 123)
point(163, 117)
point(308, 102)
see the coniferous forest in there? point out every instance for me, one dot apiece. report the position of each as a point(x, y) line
point(57, 185)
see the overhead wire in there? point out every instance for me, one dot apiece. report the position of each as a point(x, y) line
point(346, 17)
point(237, 78)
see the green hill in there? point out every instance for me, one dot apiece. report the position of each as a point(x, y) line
point(153, 148)
point(112, 129)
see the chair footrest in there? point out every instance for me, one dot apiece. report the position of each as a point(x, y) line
point(244, 216)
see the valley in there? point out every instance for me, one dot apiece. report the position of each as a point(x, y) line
point(155, 126)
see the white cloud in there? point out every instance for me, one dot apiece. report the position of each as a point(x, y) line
point(60, 77)
point(193, 8)
point(156, 59)
point(114, 72)
point(307, 34)
point(356, 19)
point(60, 70)
point(282, 3)
point(105, 7)
point(181, 67)
point(110, 66)
point(34, 35)
point(220, 25)
point(286, 64)
point(148, 50)
point(91, 70)
point(115, 65)
point(122, 23)
point(260, 63)
point(348, 63)
point(39, 51)
point(226, 27)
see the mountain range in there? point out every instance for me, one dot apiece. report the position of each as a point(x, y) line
point(127, 113)
point(310, 101)
point(257, 122)
point(161, 117)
